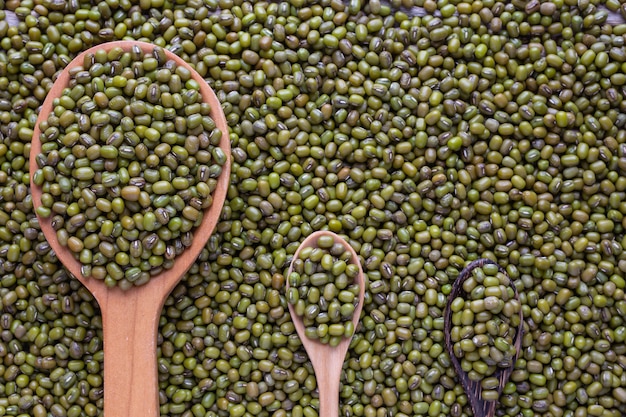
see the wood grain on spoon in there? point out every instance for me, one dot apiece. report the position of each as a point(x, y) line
point(130, 318)
point(327, 360)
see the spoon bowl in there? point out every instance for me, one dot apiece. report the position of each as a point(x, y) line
point(130, 317)
point(328, 360)
point(473, 389)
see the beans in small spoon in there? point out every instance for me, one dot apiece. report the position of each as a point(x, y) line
point(483, 332)
point(326, 338)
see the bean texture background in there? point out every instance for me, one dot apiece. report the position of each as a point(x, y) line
point(481, 129)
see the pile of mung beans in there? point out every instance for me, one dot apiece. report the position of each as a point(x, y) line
point(485, 321)
point(427, 133)
point(130, 159)
point(323, 290)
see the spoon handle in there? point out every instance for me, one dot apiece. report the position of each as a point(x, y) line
point(327, 362)
point(329, 397)
point(130, 364)
point(328, 374)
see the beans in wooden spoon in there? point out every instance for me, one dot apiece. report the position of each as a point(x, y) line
point(331, 270)
point(483, 332)
point(130, 316)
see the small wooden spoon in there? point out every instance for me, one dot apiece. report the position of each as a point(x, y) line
point(327, 360)
point(130, 318)
point(473, 389)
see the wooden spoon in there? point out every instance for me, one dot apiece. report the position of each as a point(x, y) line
point(327, 360)
point(473, 389)
point(130, 318)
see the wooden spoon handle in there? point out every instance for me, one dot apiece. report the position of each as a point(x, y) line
point(130, 363)
point(328, 362)
point(329, 395)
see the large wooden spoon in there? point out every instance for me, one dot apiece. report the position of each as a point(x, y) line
point(130, 318)
point(327, 360)
point(473, 389)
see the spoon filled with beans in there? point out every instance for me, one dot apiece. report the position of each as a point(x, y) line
point(483, 332)
point(130, 164)
point(325, 292)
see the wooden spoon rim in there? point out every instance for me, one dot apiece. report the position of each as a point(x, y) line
point(310, 241)
point(473, 389)
point(167, 279)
